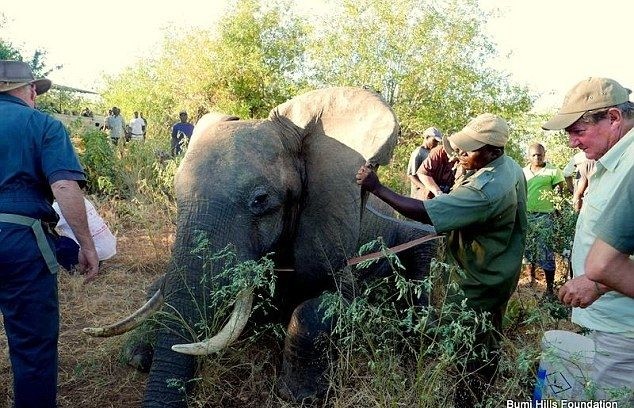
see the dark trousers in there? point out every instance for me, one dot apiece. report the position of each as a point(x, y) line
point(479, 369)
point(30, 309)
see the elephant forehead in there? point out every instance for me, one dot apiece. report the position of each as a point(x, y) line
point(241, 138)
point(237, 155)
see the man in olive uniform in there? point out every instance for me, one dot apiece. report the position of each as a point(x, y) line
point(485, 218)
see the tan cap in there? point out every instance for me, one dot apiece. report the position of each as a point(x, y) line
point(433, 132)
point(589, 94)
point(14, 74)
point(485, 129)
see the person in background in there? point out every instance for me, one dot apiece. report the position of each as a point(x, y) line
point(144, 125)
point(181, 132)
point(432, 137)
point(577, 173)
point(437, 173)
point(137, 128)
point(38, 164)
point(586, 170)
point(104, 127)
point(571, 172)
point(485, 217)
point(541, 178)
point(116, 124)
point(598, 117)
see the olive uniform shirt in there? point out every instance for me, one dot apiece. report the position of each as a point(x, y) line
point(485, 215)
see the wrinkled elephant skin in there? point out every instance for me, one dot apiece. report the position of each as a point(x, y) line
point(283, 185)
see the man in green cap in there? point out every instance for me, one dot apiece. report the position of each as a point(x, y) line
point(598, 117)
point(485, 217)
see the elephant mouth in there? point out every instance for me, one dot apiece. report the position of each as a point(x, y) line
point(228, 334)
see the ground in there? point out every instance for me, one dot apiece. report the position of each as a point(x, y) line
point(92, 372)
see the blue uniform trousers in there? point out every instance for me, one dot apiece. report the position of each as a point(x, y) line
point(30, 309)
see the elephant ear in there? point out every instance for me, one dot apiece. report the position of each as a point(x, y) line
point(356, 117)
point(334, 131)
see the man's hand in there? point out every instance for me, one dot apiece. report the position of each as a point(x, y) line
point(367, 179)
point(71, 202)
point(88, 264)
point(579, 292)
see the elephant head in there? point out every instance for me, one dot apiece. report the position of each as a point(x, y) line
point(284, 185)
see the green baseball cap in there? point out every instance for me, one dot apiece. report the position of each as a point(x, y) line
point(589, 94)
point(485, 129)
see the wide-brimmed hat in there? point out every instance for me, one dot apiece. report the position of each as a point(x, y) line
point(433, 132)
point(14, 74)
point(485, 129)
point(589, 94)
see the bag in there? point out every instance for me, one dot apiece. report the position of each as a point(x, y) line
point(105, 241)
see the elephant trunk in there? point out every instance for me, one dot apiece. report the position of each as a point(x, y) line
point(171, 373)
point(170, 379)
point(194, 274)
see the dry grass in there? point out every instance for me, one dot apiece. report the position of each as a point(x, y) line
point(92, 373)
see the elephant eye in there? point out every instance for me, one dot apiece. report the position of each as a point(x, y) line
point(259, 203)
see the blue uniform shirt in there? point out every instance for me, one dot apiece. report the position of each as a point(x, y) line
point(185, 128)
point(35, 152)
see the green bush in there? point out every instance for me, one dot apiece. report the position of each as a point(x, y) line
point(98, 157)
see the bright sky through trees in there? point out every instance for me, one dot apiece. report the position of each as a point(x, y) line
point(549, 45)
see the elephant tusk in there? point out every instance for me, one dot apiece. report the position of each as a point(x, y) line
point(228, 334)
point(130, 322)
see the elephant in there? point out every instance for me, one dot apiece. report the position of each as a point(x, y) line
point(285, 186)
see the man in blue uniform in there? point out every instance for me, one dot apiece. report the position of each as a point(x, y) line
point(38, 164)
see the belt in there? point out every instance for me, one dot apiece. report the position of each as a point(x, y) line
point(40, 237)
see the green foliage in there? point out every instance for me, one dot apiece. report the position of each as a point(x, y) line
point(9, 52)
point(429, 61)
point(224, 278)
point(526, 130)
point(139, 172)
point(560, 234)
point(244, 67)
point(383, 328)
point(98, 157)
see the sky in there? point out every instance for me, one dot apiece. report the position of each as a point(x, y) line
point(548, 45)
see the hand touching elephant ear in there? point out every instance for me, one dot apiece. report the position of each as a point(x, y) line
point(334, 131)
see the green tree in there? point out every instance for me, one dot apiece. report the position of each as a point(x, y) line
point(7, 52)
point(430, 60)
point(244, 67)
